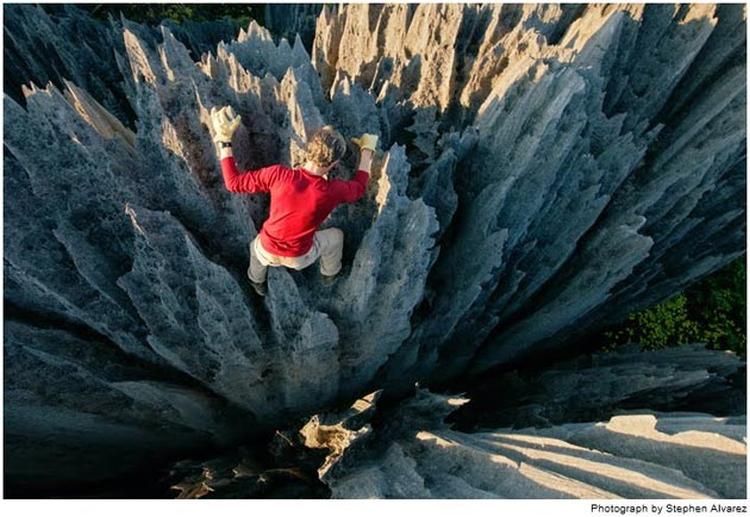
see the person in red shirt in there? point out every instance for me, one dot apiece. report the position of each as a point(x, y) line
point(301, 199)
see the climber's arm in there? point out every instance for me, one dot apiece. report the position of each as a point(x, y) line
point(365, 160)
point(224, 123)
point(350, 191)
point(249, 182)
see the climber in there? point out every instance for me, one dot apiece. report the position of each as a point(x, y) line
point(301, 199)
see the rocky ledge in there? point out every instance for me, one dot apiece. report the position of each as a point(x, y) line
point(544, 171)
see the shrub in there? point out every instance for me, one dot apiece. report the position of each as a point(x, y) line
point(712, 311)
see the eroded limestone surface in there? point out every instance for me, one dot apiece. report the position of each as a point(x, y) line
point(408, 451)
point(544, 171)
point(639, 455)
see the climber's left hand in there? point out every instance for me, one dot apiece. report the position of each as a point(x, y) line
point(366, 141)
point(225, 122)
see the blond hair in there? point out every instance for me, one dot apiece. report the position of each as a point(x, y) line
point(325, 146)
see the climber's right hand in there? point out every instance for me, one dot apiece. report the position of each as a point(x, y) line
point(366, 141)
point(225, 122)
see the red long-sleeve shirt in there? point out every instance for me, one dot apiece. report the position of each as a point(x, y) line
point(300, 201)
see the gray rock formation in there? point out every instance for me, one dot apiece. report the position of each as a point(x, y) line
point(407, 451)
point(640, 455)
point(79, 409)
point(60, 42)
point(545, 170)
point(686, 378)
point(555, 122)
point(39, 47)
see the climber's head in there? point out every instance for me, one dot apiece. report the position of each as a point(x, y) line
point(324, 149)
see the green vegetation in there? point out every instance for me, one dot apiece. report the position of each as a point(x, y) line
point(712, 311)
point(154, 13)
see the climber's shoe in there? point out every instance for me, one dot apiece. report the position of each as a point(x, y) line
point(259, 288)
point(328, 280)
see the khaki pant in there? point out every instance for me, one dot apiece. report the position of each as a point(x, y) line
point(328, 245)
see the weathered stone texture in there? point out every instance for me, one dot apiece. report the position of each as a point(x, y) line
point(638, 455)
point(544, 171)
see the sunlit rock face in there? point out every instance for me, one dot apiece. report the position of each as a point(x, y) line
point(639, 455)
point(544, 171)
point(583, 432)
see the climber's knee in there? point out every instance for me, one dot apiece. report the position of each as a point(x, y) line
point(331, 242)
point(336, 240)
point(257, 270)
point(337, 235)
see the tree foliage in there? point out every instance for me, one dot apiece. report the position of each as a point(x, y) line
point(712, 311)
point(154, 13)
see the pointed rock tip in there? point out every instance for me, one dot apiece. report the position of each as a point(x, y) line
point(32, 89)
point(255, 29)
point(284, 45)
point(299, 47)
point(29, 90)
point(289, 76)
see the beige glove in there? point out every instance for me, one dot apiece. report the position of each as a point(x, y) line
point(366, 141)
point(225, 122)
